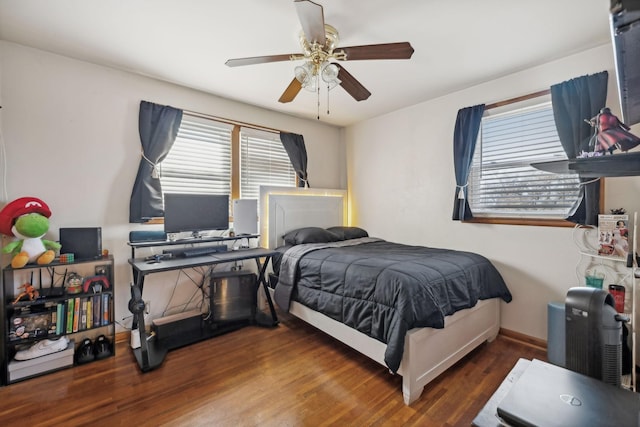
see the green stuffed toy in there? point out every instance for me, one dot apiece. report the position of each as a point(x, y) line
point(27, 218)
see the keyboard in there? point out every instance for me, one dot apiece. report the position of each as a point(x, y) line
point(194, 252)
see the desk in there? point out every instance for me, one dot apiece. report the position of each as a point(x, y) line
point(488, 416)
point(151, 353)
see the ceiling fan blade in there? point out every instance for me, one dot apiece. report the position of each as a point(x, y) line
point(351, 85)
point(402, 50)
point(258, 60)
point(311, 17)
point(291, 91)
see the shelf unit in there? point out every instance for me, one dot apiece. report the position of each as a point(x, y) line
point(615, 165)
point(620, 164)
point(27, 322)
point(615, 270)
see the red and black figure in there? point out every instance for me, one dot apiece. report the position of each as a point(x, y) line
point(611, 133)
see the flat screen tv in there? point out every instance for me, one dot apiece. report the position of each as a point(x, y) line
point(195, 213)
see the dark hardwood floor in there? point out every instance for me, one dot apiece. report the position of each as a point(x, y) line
point(292, 375)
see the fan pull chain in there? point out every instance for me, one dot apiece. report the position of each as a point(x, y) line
point(328, 90)
point(318, 86)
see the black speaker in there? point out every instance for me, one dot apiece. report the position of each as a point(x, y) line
point(82, 242)
point(147, 236)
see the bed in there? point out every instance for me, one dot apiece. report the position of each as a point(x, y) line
point(371, 294)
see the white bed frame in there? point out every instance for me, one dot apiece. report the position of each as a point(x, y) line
point(428, 352)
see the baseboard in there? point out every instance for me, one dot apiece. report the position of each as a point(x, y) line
point(512, 335)
point(524, 339)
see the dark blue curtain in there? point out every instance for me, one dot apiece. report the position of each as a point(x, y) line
point(158, 126)
point(465, 135)
point(575, 101)
point(297, 152)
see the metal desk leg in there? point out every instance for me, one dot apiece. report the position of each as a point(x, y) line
point(262, 268)
point(150, 354)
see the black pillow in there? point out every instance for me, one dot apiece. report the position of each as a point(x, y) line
point(347, 233)
point(310, 235)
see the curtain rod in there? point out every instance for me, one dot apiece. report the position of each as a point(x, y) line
point(233, 122)
point(517, 99)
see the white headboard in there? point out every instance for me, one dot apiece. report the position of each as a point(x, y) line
point(283, 209)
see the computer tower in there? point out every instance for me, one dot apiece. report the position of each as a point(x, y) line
point(245, 216)
point(593, 331)
point(233, 296)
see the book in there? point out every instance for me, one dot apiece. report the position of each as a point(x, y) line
point(89, 312)
point(54, 321)
point(106, 301)
point(61, 318)
point(83, 314)
point(69, 324)
point(97, 310)
point(613, 235)
point(76, 314)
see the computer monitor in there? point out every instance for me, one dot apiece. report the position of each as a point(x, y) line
point(195, 213)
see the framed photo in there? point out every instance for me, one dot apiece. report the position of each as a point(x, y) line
point(613, 235)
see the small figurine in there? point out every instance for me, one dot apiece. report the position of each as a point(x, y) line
point(29, 291)
point(610, 133)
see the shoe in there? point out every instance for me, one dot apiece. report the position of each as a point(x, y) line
point(101, 347)
point(42, 348)
point(84, 353)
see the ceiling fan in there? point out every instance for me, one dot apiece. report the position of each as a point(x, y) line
point(319, 46)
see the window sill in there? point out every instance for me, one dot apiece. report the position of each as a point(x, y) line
point(158, 220)
point(523, 221)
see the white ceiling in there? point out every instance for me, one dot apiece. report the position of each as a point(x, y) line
point(458, 43)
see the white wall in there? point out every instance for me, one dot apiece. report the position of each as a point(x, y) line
point(401, 183)
point(70, 129)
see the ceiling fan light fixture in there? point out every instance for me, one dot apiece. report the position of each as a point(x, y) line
point(330, 75)
point(312, 84)
point(307, 77)
point(303, 73)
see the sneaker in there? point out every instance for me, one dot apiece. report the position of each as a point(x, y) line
point(42, 348)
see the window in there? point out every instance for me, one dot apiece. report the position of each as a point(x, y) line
point(263, 161)
point(502, 182)
point(201, 160)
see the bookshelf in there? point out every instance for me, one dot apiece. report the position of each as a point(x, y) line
point(83, 314)
point(614, 270)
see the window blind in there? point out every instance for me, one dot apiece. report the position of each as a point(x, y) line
point(200, 159)
point(263, 161)
point(502, 182)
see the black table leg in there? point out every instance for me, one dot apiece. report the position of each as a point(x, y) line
point(150, 354)
point(262, 268)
